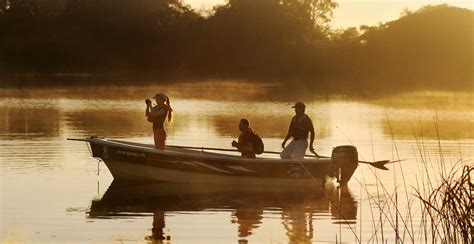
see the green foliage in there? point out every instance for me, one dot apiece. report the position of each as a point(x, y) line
point(247, 38)
point(91, 35)
point(265, 39)
point(433, 43)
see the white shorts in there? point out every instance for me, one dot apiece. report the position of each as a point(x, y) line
point(296, 149)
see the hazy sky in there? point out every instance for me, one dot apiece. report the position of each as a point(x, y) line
point(362, 12)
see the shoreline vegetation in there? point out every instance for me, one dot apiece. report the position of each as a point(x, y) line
point(126, 42)
point(442, 195)
point(443, 198)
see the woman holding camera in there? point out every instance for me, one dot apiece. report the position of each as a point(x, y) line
point(157, 115)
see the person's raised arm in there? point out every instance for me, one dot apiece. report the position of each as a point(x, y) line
point(148, 107)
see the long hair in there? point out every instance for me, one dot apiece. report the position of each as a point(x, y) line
point(170, 111)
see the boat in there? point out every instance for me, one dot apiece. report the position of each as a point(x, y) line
point(132, 161)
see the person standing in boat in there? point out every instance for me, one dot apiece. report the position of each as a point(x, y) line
point(157, 115)
point(245, 144)
point(300, 126)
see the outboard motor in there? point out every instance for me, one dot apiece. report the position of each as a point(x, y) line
point(345, 161)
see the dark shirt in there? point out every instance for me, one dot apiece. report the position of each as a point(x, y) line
point(158, 117)
point(246, 139)
point(300, 126)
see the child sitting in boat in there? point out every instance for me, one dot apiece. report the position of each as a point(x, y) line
point(246, 141)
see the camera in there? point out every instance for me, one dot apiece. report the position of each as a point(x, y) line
point(148, 101)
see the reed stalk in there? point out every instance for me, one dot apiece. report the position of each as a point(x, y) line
point(442, 197)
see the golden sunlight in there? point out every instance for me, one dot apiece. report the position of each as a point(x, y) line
point(354, 13)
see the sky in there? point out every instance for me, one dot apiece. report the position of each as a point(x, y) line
point(354, 13)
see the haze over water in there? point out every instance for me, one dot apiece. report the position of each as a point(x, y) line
point(53, 191)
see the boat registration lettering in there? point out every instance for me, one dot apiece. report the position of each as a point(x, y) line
point(132, 154)
point(297, 171)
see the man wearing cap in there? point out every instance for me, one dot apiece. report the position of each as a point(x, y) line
point(300, 126)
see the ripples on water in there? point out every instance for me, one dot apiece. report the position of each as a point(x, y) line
point(52, 190)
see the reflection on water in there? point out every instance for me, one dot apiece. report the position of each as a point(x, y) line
point(43, 177)
point(21, 122)
point(247, 219)
point(249, 206)
point(430, 128)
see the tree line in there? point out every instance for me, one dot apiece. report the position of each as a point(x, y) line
point(281, 40)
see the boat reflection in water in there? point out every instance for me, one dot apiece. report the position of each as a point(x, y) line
point(297, 205)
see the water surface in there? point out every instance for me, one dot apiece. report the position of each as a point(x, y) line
point(53, 191)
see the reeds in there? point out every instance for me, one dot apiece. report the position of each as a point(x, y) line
point(447, 201)
point(449, 208)
point(438, 209)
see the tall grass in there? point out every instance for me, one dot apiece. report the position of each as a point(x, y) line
point(447, 203)
point(438, 209)
point(449, 208)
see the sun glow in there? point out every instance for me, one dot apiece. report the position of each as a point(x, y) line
point(354, 13)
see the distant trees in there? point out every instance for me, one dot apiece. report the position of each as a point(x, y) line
point(432, 44)
point(259, 38)
point(264, 39)
point(51, 35)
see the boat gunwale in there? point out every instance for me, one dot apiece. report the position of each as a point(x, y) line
point(199, 154)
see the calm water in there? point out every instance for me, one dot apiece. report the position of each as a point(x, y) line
point(53, 191)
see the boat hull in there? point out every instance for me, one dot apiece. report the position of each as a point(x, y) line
point(129, 171)
point(141, 162)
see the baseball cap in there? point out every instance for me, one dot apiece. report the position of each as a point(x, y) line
point(299, 104)
point(160, 95)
